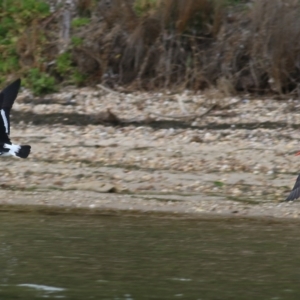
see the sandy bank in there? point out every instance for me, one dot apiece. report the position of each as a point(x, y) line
point(231, 156)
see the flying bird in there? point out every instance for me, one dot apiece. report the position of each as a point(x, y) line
point(7, 98)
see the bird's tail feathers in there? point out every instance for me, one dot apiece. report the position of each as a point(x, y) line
point(23, 151)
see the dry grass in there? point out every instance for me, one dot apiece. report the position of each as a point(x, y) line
point(163, 46)
point(276, 42)
point(252, 46)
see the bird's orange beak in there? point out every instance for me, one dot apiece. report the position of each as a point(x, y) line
point(298, 153)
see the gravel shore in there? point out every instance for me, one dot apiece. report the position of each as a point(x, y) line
point(170, 153)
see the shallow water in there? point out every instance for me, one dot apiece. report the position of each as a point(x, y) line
point(89, 257)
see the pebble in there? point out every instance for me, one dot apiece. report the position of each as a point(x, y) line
point(257, 162)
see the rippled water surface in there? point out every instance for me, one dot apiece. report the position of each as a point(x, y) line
point(89, 257)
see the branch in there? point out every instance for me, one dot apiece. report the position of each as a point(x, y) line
point(187, 117)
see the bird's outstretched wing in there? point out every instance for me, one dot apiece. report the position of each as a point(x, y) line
point(7, 98)
point(295, 193)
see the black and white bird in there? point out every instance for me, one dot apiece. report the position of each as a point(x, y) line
point(7, 98)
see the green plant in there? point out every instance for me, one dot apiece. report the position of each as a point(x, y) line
point(10, 64)
point(25, 7)
point(66, 69)
point(18, 21)
point(78, 78)
point(78, 22)
point(142, 7)
point(76, 41)
point(15, 17)
point(218, 183)
point(64, 63)
point(39, 82)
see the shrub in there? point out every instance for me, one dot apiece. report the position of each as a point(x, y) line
point(76, 41)
point(248, 45)
point(17, 20)
point(40, 82)
point(78, 22)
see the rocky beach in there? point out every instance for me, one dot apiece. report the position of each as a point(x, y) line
point(179, 154)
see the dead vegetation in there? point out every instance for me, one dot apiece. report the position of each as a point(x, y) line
point(251, 46)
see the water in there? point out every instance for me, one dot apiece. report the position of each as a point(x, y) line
point(89, 257)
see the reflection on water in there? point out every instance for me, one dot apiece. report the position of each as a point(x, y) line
point(49, 289)
point(72, 257)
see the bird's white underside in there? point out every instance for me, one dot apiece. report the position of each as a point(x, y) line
point(13, 149)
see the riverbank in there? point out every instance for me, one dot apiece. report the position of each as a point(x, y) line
point(169, 153)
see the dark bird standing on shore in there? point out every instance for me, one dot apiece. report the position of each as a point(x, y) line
point(295, 193)
point(7, 98)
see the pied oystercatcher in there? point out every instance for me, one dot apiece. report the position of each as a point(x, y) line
point(7, 98)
